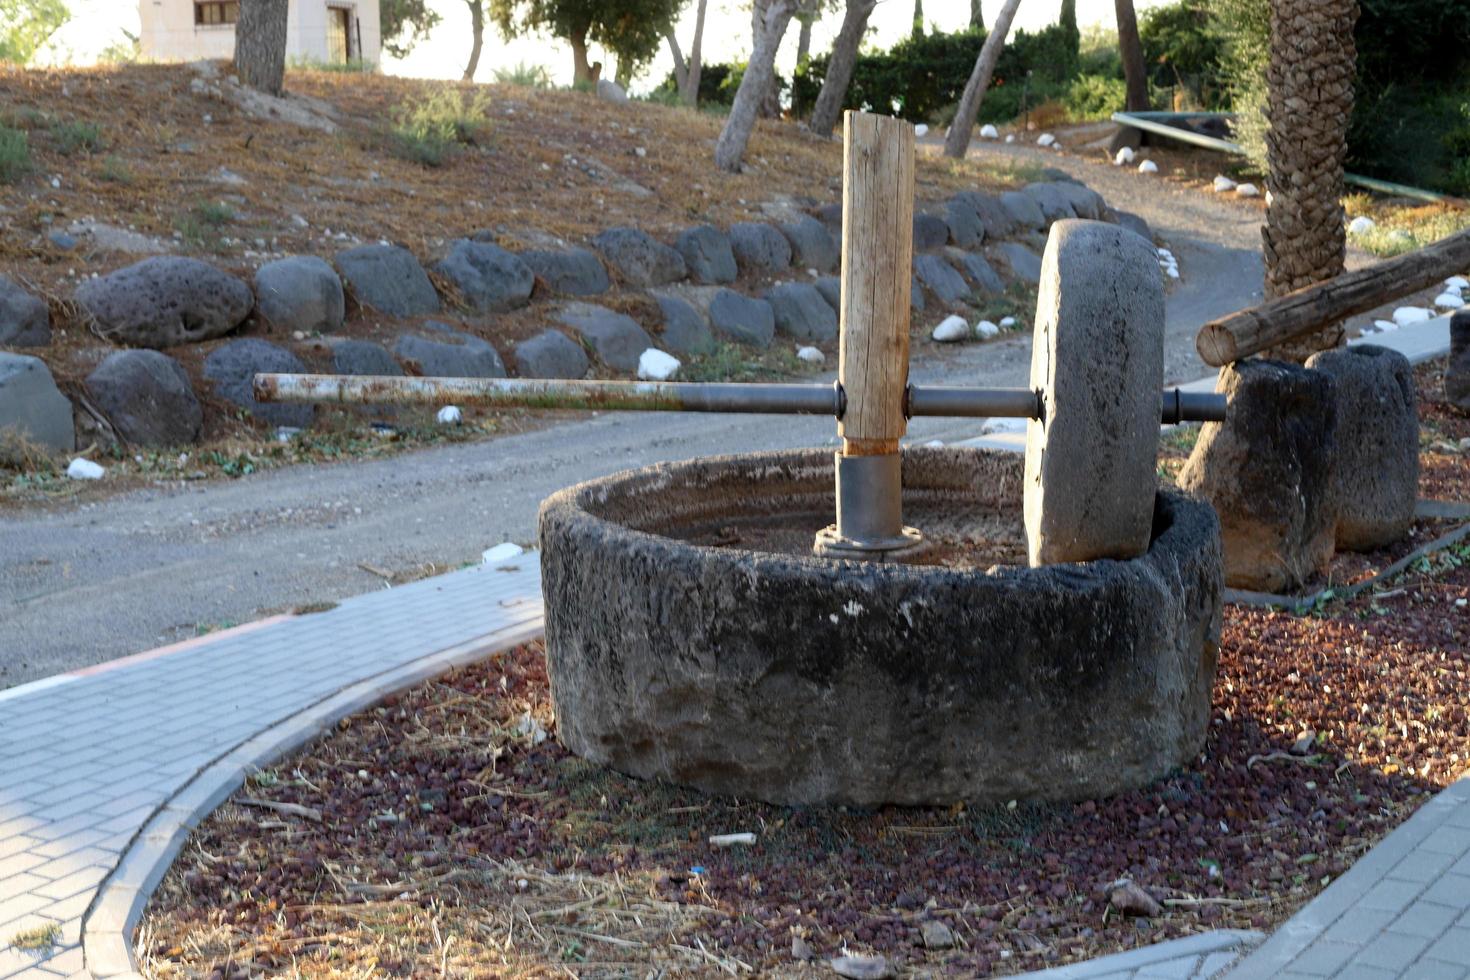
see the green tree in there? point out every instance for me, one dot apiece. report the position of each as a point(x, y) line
point(26, 25)
point(1071, 37)
point(630, 29)
point(406, 23)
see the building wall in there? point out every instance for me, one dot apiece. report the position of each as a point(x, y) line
point(170, 34)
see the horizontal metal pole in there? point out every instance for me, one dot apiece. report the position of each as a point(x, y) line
point(649, 396)
point(636, 396)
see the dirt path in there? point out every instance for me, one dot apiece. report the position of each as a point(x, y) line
point(107, 579)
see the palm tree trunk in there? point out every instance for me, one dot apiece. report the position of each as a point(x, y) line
point(477, 30)
point(957, 143)
point(1130, 48)
point(1309, 101)
point(260, 45)
point(759, 79)
point(839, 66)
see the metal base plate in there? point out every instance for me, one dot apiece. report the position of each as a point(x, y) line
point(830, 544)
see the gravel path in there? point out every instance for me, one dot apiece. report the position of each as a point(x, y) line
point(103, 580)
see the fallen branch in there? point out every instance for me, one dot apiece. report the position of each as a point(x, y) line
point(292, 809)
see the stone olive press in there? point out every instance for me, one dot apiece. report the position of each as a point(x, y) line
point(735, 624)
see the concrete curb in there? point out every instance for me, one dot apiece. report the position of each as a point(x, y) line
point(114, 914)
point(1226, 944)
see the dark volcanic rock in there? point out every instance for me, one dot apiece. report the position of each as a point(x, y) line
point(707, 254)
point(389, 279)
point(147, 398)
point(638, 258)
point(25, 320)
point(492, 279)
point(437, 350)
point(616, 337)
point(232, 368)
point(686, 331)
point(676, 661)
point(1457, 372)
point(301, 292)
point(812, 246)
point(930, 232)
point(1267, 470)
point(1376, 476)
point(575, 271)
point(550, 354)
point(165, 301)
point(742, 319)
point(362, 357)
point(759, 247)
point(801, 312)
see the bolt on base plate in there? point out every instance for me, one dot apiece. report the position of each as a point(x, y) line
point(830, 544)
point(869, 511)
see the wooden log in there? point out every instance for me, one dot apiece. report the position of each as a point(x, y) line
point(877, 263)
point(1285, 318)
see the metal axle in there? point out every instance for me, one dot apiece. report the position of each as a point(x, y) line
point(663, 396)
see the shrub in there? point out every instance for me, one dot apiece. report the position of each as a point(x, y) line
point(1095, 97)
point(1182, 46)
point(430, 129)
point(524, 75)
point(74, 135)
point(15, 155)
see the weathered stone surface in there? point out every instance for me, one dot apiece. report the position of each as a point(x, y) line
point(550, 354)
point(686, 331)
point(32, 405)
point(1457, 372)
point(300, 293)
point(361, 357)
point(831, 216)
point(801, 312)
point(812, 245)
point(389, 279)
point(759, 247)
point(638, 258)
point(1376, 474)
point(965, 227)
point(930, 232)
point(998, 221)
point(1024, 265)
point(25, 320)
point(1267, 471)
point(490, 278)
point(942, 279)
point(674, 661)
point(916, 296)
point(574, 271)
point(1024, 211)
point(232, 368)
point(1086, 202)
point(830, 288)
point(147, 398)
point(617, 338)
point(974, 267)
point(437, 350)
point(1054, 203)
point(166, 301)
point(742, 319)
point(610, 91)
point(707, 254)
point(1135, 224)
point(1091, 461)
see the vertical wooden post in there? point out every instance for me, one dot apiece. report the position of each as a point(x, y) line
point(877, 275)
point(877, 264)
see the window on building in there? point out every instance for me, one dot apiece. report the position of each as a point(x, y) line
point(215, 12)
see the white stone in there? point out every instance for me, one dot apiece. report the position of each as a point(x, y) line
point(502, 553)
point(448, 415)
point(1172, 271)
point(655, 365)
point(1385, 325)
point(1248, 190)
point(84, 469)
point(1457, 282)
point(989, 132)
point(1361, 225)
point(921, 130)
point(1148, 167)
point(1125, 155)
point(1449, 300)
point(731, 840)
point(1045, 139)
point(1223, 184)
point(1406, 315)
point(987, 329)
point(951, 329)
point(810, 355)
point(1007, 322)
point(1010, 137)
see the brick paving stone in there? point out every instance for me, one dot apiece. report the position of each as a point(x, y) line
point(1392, 951)
point(1450, 889)
point(1452, 947)
point(1358, 926)
point(1390, 896)
point(1323, 958)
point(1419, 866)
point(1425, 919)
point(1454, 841)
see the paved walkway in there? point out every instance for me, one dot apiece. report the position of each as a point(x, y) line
point(87, 759)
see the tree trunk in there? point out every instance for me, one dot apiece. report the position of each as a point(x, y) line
point(689, 92)
point(758, 80)
point(840, 65)
point(477, 31)
point(804, 40)
point(581, 71)
point(1309, 82)
point(260, 45)
point(1130, 48)
point(977, 17)
point(958, 140)
point(623, 75)
point(681, 68)
point(917, 30)
point(770, 101)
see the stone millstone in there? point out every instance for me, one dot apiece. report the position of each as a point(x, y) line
point(1376, 476)
point(1267, 470)
point(1098, 357)
point(802, 681)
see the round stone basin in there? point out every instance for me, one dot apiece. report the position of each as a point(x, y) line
point(691, 636)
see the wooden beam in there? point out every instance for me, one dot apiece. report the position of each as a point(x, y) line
point(1285, 318)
